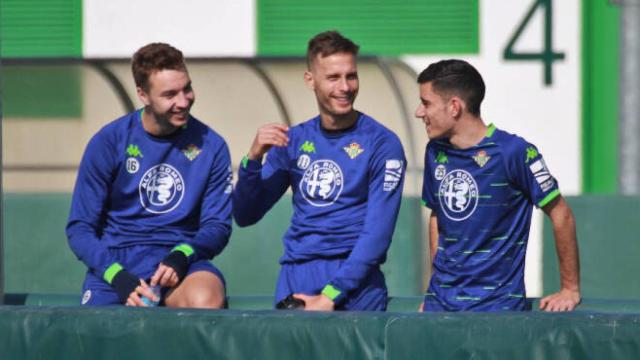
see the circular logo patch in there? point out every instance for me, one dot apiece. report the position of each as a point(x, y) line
point(458, 195)
point(132, 165)
point(441, 171)
point(161, 189)
point(303, 161)
point(322, 183)
point(86, 297)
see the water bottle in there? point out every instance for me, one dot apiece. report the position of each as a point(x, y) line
point(156, 291)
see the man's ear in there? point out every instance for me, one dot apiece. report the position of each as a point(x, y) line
point(143, 96)
point(456, 106)
point(308, 80)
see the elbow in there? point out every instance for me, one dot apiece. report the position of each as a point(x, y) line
point(244, 218)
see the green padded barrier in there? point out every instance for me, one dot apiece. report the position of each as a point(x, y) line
point(136, 333)
point(607, 228)
point(38, 259)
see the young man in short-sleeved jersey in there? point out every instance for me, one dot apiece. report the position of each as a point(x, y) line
point(481, 184)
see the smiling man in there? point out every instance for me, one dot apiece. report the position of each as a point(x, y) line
point(481, 184)
point(152, 202)
point(346, 172)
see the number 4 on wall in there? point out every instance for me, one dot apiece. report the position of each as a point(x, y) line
point(547, 56)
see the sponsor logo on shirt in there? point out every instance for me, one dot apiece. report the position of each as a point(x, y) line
point(322, 183)
point(392, 174)
point(481, 158)
point(191, 152)
point(458, 195)
point(532, 153)
point(542, 175)
point(308, 147)
point(161, 189)
point(303, 161)
point(353, 150)
point(442, 158)
point(134, 151)
point(440, 172)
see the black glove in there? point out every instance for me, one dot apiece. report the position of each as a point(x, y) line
point(179, 262)
point(124, 283)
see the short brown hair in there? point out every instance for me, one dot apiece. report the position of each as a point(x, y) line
point(329, 43)
point(155, 57)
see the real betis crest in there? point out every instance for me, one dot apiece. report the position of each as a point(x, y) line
point(481, 158)
point(353, 150)
point(191, 152)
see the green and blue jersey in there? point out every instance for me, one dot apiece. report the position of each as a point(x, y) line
point(483, 198)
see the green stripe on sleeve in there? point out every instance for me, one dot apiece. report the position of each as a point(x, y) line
point(185, 249)
point(331, 292)
point(111, 272)
point(548, 198)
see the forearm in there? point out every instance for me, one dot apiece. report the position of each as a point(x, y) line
point(567, 248)
point(211, 239)
point(564, 231)
point(88, 248)
point(253, 196)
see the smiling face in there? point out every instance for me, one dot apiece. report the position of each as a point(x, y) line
point(437, 113)
point(334, 79)
point(168, 99)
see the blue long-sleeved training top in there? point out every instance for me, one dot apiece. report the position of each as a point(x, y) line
point(135, 189)
point(483, 198)
point(347, 188)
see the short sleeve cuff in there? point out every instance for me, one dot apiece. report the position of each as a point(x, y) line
point(547, 199)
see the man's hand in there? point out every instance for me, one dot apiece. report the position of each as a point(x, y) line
point(563, 300)
point(268, 135)
point(142, 290)
point(316, 302)
point(165, 276)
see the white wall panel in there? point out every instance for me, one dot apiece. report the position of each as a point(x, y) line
point(117, 28)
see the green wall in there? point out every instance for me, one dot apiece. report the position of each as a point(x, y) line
point(600, 73)
point(607, 229)
point(41, 28)
point(381, 27)
point(38, 259)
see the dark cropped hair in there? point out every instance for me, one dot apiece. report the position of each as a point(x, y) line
point(456, 77)
point(329, 43)
point(155, 57)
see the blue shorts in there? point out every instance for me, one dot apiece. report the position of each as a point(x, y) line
point(310, 277)
point(142, 261)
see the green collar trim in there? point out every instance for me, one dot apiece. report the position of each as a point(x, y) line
point(490, 130)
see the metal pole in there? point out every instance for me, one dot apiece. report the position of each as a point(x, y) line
point(1, 199)
point(629, 103)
